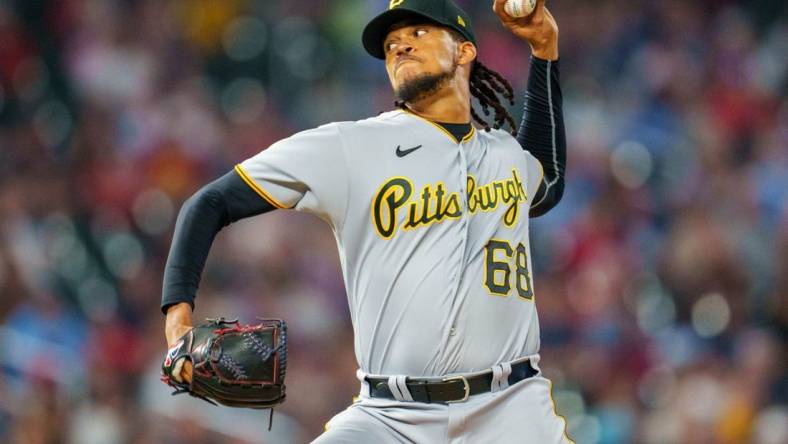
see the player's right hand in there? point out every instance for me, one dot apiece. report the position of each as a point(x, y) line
point(178, 323)
point(539, 29)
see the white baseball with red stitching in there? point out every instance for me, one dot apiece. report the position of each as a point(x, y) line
point(519, 8)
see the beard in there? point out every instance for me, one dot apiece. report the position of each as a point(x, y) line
point(423, 86)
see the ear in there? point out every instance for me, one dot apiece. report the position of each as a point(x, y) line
point(466, 53)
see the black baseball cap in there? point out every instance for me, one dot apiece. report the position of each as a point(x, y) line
point(442, 12)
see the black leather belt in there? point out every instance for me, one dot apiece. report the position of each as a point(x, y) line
point(450, 389)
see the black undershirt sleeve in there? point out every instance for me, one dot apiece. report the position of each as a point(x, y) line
point(542, 132)
point(202, 216)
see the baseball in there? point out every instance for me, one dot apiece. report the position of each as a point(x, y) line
point(519, 8)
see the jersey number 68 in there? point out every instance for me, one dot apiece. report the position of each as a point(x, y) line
point(499, 259)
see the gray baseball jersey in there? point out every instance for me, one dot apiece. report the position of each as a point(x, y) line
point(432, 235)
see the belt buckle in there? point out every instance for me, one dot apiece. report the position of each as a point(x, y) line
point(466, 386)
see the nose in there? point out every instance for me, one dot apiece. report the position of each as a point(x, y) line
point(404, 48)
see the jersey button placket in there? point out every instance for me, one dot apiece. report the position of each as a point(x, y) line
point(454, 275)
point(457, 273)
point(464, 222)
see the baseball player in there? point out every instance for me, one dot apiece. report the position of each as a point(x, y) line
point(431, 220)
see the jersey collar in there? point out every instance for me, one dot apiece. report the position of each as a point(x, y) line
point(468, 137)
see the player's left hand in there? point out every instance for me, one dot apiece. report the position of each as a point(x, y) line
point(539, 29)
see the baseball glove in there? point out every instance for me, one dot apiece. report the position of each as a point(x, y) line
point(234, 365)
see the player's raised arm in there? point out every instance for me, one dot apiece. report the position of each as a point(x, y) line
point(542, 130)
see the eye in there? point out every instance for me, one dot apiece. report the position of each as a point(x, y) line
point(420, 32)
point(389, 46)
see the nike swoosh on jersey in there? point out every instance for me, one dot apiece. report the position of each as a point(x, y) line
point(403, 153)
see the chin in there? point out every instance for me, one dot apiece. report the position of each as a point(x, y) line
point(408, 74)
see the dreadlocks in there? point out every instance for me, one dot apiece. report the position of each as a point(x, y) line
point(486, 85)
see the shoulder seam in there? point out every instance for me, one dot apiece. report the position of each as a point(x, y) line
point(258, 189)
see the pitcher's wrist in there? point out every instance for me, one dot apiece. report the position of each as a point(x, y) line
point(549, 52)
point(178, 322)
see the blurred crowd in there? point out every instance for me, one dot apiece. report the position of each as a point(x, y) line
point(661, 279)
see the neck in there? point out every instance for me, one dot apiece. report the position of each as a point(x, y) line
point(450, 104)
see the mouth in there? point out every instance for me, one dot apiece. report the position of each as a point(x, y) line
point(402, 62)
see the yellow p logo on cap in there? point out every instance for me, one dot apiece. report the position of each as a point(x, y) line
point(460, 21)
point(394, 3)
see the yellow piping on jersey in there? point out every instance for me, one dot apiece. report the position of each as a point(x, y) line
point(555, 412)
point(470, 134)
point(258, 189)
point(465, 138)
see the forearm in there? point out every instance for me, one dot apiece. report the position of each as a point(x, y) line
point(202, 216)
point(542, 132)
point(179, 320)
point(200, 219)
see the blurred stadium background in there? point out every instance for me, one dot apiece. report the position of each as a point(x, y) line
point(661, 279)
